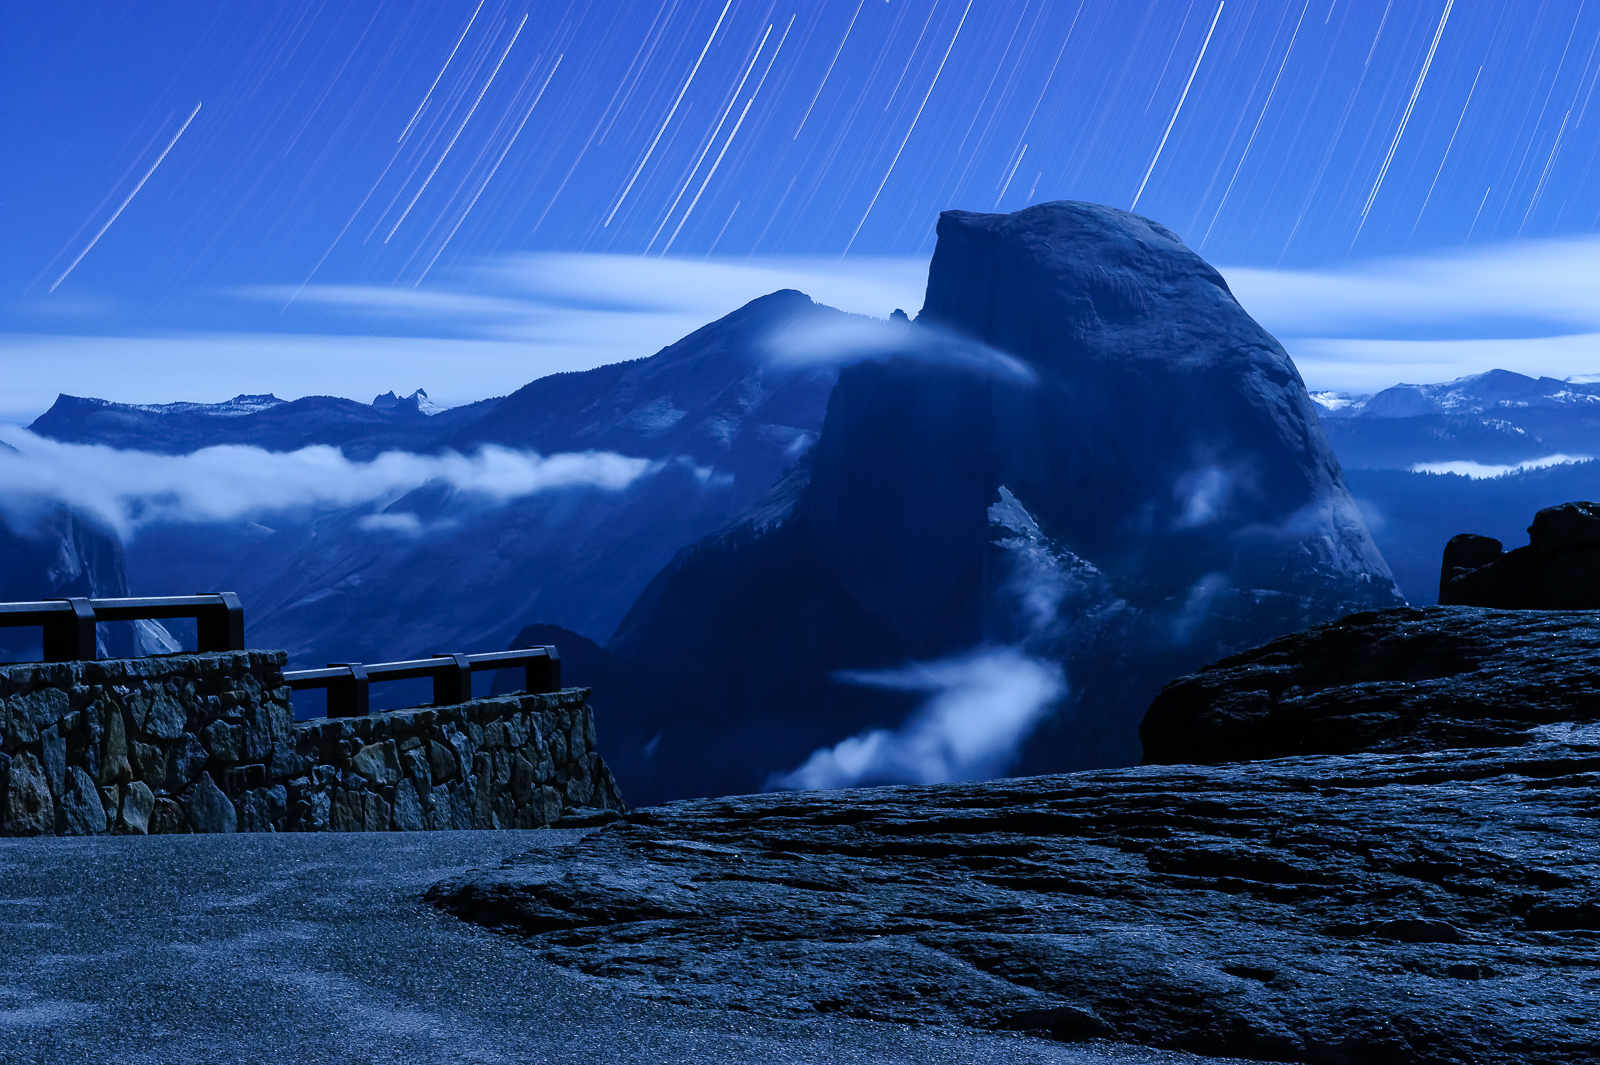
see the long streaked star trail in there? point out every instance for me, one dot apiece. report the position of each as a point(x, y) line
point(123, 206)
point(1176, 111)
point(421, 143)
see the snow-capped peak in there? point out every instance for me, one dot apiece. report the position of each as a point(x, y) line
point(417, 401)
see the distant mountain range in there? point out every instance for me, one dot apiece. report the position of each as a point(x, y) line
point(443, 568)
point(1081, 471)
point(1493, 418)
point(1477, 454)
point(360, 430)
point(1491, 392)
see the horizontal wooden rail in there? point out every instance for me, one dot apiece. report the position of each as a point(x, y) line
point(348, 682)
point(69, 623)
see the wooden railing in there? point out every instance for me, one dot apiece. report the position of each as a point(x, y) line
point(68, 624)
point(347, 682)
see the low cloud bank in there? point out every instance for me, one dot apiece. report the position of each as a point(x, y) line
point(1526, 306)
point(1480, 471)
point(130, 489)
point(982, 706)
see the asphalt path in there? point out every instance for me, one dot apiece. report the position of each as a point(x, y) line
point(310, 948)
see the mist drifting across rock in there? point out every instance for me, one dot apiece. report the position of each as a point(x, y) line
point(1158, 469)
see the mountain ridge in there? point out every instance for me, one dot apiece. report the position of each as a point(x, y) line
point(940, 524)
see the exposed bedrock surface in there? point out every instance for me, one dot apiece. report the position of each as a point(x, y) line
point(1388, 908)
point(1391, 680)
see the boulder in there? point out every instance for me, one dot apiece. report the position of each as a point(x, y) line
point(138, 804)
point(115, 767)
point(167, 816)
point(1559, 569)
point(1411, 679)
point(83, 811)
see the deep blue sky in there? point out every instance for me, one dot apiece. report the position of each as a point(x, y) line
point(1309, 140)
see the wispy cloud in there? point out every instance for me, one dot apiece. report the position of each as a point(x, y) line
point(130, 489)
point(492, 326)
point(1543, 282)
point(861, 285)
point(403, 301)
point(1349, 365)
point(483, 331)
point(982, 706)
point(839, 341)
point(1530, 307)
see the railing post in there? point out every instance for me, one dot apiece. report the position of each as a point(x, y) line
point(544, 675)
point(220, 627)
point(452, 683)
point(348, 698)
point(70, 637)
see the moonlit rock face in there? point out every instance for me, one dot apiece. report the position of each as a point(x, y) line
point(1169, 433)
point(1086, 462)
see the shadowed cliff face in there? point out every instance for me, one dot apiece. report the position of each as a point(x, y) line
point(1096, 466)
point(57, 553)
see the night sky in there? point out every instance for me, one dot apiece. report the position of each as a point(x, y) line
point(348, 197)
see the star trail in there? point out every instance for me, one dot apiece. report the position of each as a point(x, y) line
point(422, 143)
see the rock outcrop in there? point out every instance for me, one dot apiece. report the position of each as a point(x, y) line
point(1559, 569)
point(1409, 679)
point(1407, 876)
point(1413, 909)
point(1086, 454)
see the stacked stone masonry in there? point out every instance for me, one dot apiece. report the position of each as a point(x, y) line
point(208, 743)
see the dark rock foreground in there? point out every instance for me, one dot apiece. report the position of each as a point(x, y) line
point(1388, 680)
point(1559, 569)
point(1408, 908)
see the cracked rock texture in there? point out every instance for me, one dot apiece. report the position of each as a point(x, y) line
point(1380, 907)
point(1390, 680)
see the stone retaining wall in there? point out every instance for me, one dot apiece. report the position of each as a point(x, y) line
point(208, 743)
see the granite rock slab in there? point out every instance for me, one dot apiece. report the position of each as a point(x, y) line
point(1432, 907)
point(1409, 679)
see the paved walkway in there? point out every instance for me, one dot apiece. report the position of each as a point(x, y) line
point(315, 948)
